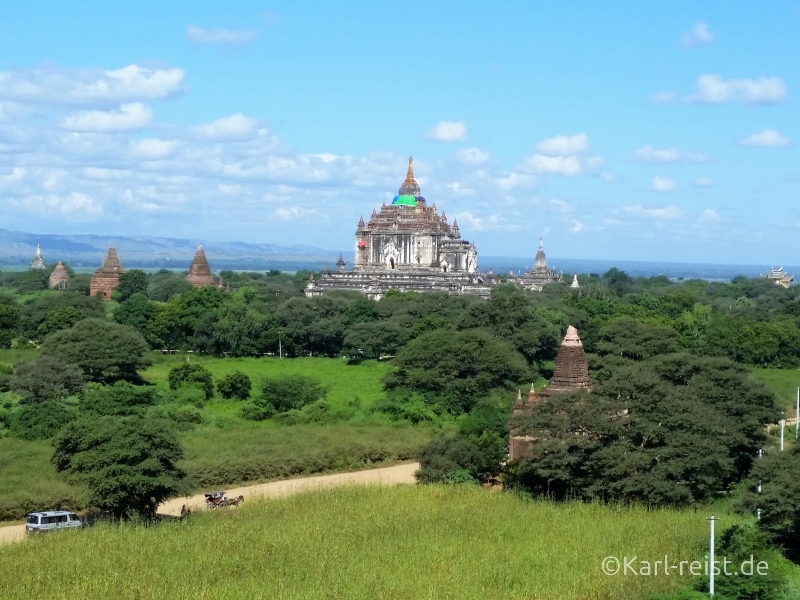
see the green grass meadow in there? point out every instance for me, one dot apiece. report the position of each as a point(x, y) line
point(783, 383)
point(29, 482)
point(344, 382)
point(364, 543)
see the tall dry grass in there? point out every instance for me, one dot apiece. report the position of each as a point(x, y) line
point(406, 542)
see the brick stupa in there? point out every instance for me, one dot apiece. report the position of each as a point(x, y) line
point(571, 373)
point(59, 278)
point(106, 278)
point(200, 271)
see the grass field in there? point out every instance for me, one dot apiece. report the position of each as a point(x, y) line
point(364, 543)
point(784, 383)
point(344, 382)
point(29, 482)
point(254, 454)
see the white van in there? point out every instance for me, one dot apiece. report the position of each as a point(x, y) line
point(54, 520)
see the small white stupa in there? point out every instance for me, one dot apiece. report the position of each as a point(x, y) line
point(575, 285)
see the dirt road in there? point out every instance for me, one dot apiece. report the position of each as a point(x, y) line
point(384, 476)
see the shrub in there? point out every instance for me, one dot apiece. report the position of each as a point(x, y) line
point(235, 385)
point(290, 391)
point(252, 412)
point(192, 373)
point(118, 400)
point(191, 393)
point(45, 378)
point(40, 421)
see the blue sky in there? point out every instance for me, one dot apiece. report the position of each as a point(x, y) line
point(638, 131)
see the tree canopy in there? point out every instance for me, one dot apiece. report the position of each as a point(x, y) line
point(129, 464)
point(104, 351)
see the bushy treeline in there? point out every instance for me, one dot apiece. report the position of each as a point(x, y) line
point(752, 321)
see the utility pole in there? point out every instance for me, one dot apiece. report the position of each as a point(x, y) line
point(711, 557)
point(783, 425)
point(280, 347)
point(797, 414)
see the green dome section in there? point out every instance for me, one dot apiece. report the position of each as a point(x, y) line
point(404, 200)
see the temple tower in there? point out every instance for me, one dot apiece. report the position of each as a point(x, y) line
point(571, 373)
point(575, 285)
point(59, 278)
point(106, 278)
point(37, 264)
point(200, 271)
point(571, 370)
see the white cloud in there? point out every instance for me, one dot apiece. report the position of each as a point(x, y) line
point(17, 173)
point(514, 181)
point(447, 131)
point(459, 190)
point(293, 212)
point(662, 184)
point(712, 89)
point(768, 137)
point(129, 117)
point(576, 226)
point(154, 148)
point(698, 36)
point(74, 206)
point(235, 127)
point(472, 156)
point(709, 215)
point(561, 145)
point(562, 165)
point(560, 205)
point(86, 87)
point(703, 182)
point(666, 155)
point(667, 213)
point(224, 37)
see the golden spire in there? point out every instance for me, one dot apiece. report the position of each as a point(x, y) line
point(410, 174)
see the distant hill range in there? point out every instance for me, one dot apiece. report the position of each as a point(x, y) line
point(83, 251)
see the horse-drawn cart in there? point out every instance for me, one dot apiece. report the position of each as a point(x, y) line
point(220, 500)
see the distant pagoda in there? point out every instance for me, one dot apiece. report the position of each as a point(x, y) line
point(200, 271)
point(37, 264)
point(106, 278)
point(408, 246)
point(779, 276)
point(539, 276)
point(59, 278)
point(570, 374)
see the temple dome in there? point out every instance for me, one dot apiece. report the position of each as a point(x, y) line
point(541, 261)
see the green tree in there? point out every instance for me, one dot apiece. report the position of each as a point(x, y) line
point(45, 378)
point(130, 283)
point(375, 339)
point(9, 323)
point(129, 464)
point(61, 318)
point(40, 421)
point(118, 400)
point(779, 500)
point(290, 392)
point(166, 288)
point(632, 339)
point(138, 312)
point(56, 306)
point(671, 430)
point(103, 350)
point(235, 385)
point(192, 373)
point(314, 325)
point(455, 369)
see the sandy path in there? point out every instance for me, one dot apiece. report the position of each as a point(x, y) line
point(384, 476)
